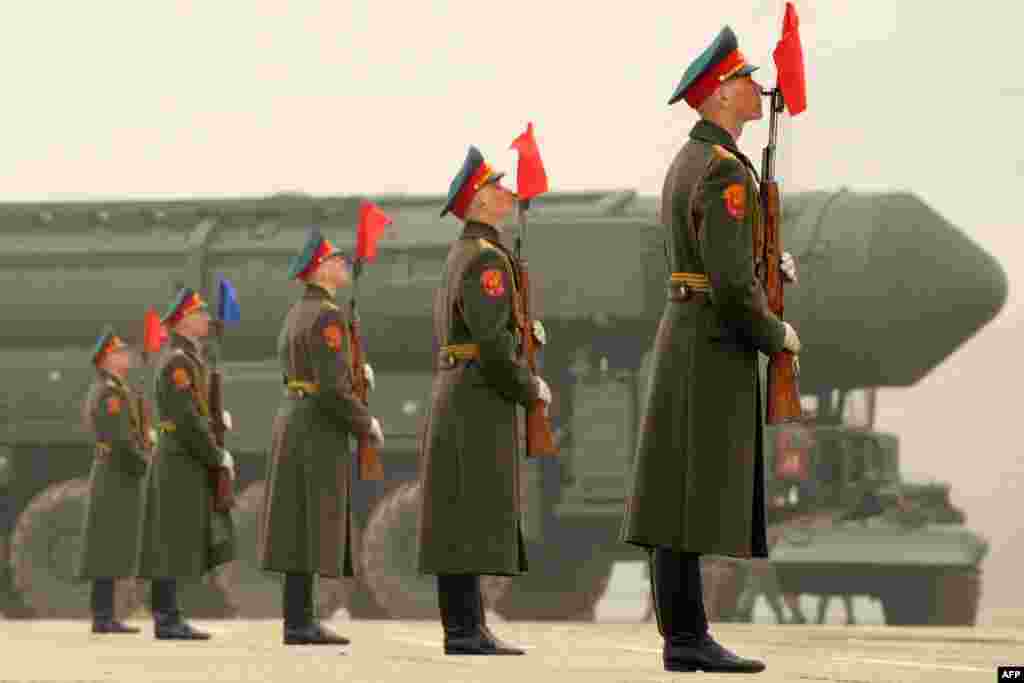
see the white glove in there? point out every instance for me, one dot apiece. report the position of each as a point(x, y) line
point(788, 266)
point(544, 390)
point(227, 420)
point(227, 461)
point(375, 432)
point(792, 342)
point(368, 374)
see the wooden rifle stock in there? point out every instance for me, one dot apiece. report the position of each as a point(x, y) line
point(220, 477)
point(370, 468)
point(539, 438)
point(783, 392)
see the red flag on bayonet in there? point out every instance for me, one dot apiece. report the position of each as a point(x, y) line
point(789, 63)
point(154, 334)
point(371, 225)
point(531, 178)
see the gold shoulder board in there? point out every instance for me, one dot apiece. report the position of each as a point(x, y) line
point(723, 153)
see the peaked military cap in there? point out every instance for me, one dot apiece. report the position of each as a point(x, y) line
point(107, 342)
point(474, 174)
point(187, 301)
point(721, 61)
point(315, 251)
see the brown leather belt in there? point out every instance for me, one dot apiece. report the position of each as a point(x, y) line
point(450, 355)
point(689, 287)
point(102, 451)
point(296, 388)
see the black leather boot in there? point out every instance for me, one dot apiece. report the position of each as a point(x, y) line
point(679, 603)
point(300, 624)
point(103, 620)
point(167, 621)
point(490, 640)
point(457, 599)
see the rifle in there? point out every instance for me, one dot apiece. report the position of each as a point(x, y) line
point(220, 477)
point(783, 402)
point(539, 438)
point(144, 410)
point(370, 468)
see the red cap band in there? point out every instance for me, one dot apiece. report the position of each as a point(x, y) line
point(193, 303)
point(469, 190)
point(704, 86)
point(325, 250)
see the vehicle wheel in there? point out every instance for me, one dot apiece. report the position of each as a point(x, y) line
point(956, 595)
point(945, 598)
point(45, 548)
point(556, 590)
point(723, 582)
point(5, 572)
point(907, 603)
point(254, 593)
point(388, 559)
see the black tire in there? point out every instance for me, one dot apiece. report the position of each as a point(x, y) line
point(946, 597)
point(254, 593)
point(723, 582)
point(389, 556)
point(45, 548)
point(556, 589)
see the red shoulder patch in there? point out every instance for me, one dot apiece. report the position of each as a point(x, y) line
point(113, 405)
point(735, 197)
point(181, 378)
point(493, 281)
point(332, 337)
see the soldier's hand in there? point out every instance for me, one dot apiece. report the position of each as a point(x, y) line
point(226, 418)
point(375, 432)
point(788, 267)
point(792, 342)
point(543, 390)
point(228, 462)
point(368, 374)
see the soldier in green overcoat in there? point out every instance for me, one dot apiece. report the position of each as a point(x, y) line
point(699, 473)
point(307, 510)
point(471, 521)
point(183, 536)
point(113, 514)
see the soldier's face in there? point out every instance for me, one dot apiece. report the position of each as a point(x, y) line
point(119, 361)
point(502, 199)
point(196, 324)
point(742, 98)
point(750, 98)
point(337, 272)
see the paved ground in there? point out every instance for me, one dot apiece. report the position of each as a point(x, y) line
point(411, 651)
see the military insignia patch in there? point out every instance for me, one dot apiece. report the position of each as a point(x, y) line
point(332, 337)
point(493, 282)
point(113, 405)
point(181, 378)
point(735, 197)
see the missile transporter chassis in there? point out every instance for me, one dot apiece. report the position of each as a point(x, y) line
point(599, 272)
point(843, 523)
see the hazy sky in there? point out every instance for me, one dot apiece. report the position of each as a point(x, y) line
point(221, 98)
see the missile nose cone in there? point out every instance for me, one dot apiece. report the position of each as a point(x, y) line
point(888, 289)
point(950, 287)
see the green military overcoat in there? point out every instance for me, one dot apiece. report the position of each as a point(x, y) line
point(699, 471)
point(183, 536)
point(308, 520)
point(471, 518)
point(112, 527)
